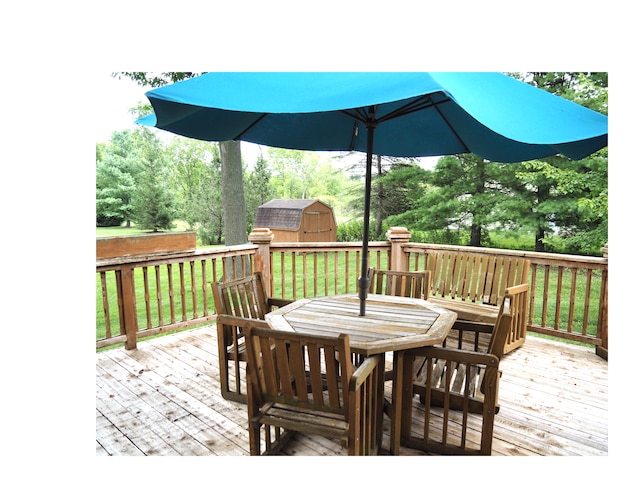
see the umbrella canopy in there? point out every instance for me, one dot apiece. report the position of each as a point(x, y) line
point(412, 114)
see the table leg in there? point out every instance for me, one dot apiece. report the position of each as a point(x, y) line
point(396, 402)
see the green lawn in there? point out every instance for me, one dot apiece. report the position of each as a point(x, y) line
point(133, 230)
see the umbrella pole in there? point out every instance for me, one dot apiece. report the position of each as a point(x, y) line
point(364, 280)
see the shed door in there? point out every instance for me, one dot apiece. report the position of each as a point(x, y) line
point(316, 226)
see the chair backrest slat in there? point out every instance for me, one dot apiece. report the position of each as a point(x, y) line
point(245, 297)
point(310, 371)
point(400, 284)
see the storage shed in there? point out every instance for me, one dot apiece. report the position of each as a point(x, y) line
point(298, 220)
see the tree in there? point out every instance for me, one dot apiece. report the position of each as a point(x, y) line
point(567, 198)
point(397, 190)
point(381, 192)
point(196, 177)
point(293, 172)
point(259, 190)
point(235, 223)
point(191, 161)
point(233, 189)
point(117, 171)
point(466, 197)
point(154, 204)
point(206, 205)
point(564, 203)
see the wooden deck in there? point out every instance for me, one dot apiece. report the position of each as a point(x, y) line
point(163, 399)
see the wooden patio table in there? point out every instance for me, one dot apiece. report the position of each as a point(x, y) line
point(391, 324)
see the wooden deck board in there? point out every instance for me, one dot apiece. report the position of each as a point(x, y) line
point(163, 399)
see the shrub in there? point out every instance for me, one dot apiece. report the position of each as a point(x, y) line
point(108, 220)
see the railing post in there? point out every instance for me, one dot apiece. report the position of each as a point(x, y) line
point(262, 237)
point(603, 320)
point(398, 236)
point(129, 307)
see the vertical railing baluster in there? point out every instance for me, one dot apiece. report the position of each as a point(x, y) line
point(326, 273)
point(194, 300)
point(532, 294)
point(294, 284)
point(159, 295)
point(587, 302)
point(183, 292)
point(335, 272)
point(172, 300)
point(304, 274)
point(205, 290)
point(545, 295)
point(147, 298)
point(572, 303)
point(105, 304)
point(347, 275)
point(558, 298)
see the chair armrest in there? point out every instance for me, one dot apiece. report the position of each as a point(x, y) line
point(471, 326)
point(462, 356)
point(517, 289)
point(240, 322)
point(278, 302)
point(365, 370)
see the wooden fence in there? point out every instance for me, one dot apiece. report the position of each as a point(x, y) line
point(145, 295)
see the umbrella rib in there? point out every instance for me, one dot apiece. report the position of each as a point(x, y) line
point(420, 103)
point(239, 136)
point(452, 130)
point(423, 103)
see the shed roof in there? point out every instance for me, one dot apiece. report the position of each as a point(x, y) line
point(284, 214)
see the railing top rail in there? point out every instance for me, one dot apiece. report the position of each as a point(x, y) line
point(220, 252)
point(312, 246)
point(539, 257)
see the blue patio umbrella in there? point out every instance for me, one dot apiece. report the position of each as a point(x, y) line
point(411, 114)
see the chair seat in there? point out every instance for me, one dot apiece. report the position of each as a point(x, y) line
point(475, 312)
point(459, 381)
point(239, 353)
point(326, 424)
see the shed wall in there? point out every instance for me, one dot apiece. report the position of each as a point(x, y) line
point(316, 221)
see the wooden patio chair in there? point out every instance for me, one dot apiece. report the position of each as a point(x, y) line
point(337, 399)
point(398, 283)
point(246, 298)
point(458, 381)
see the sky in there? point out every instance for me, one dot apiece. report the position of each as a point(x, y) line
point(120, 94)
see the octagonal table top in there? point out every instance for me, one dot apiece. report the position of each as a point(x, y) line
point(390, 324)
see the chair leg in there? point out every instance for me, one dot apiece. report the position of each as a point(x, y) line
point(254, 438)
point(224, 377)
point(227, 393)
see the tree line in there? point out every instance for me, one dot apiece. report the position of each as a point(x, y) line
point(555, 204)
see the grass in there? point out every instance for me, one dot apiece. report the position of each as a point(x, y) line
point(314, 276)
point(133, 230)
point(565, 306)
point(149, 314)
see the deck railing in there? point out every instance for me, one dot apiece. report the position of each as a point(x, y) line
point(147, 295)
